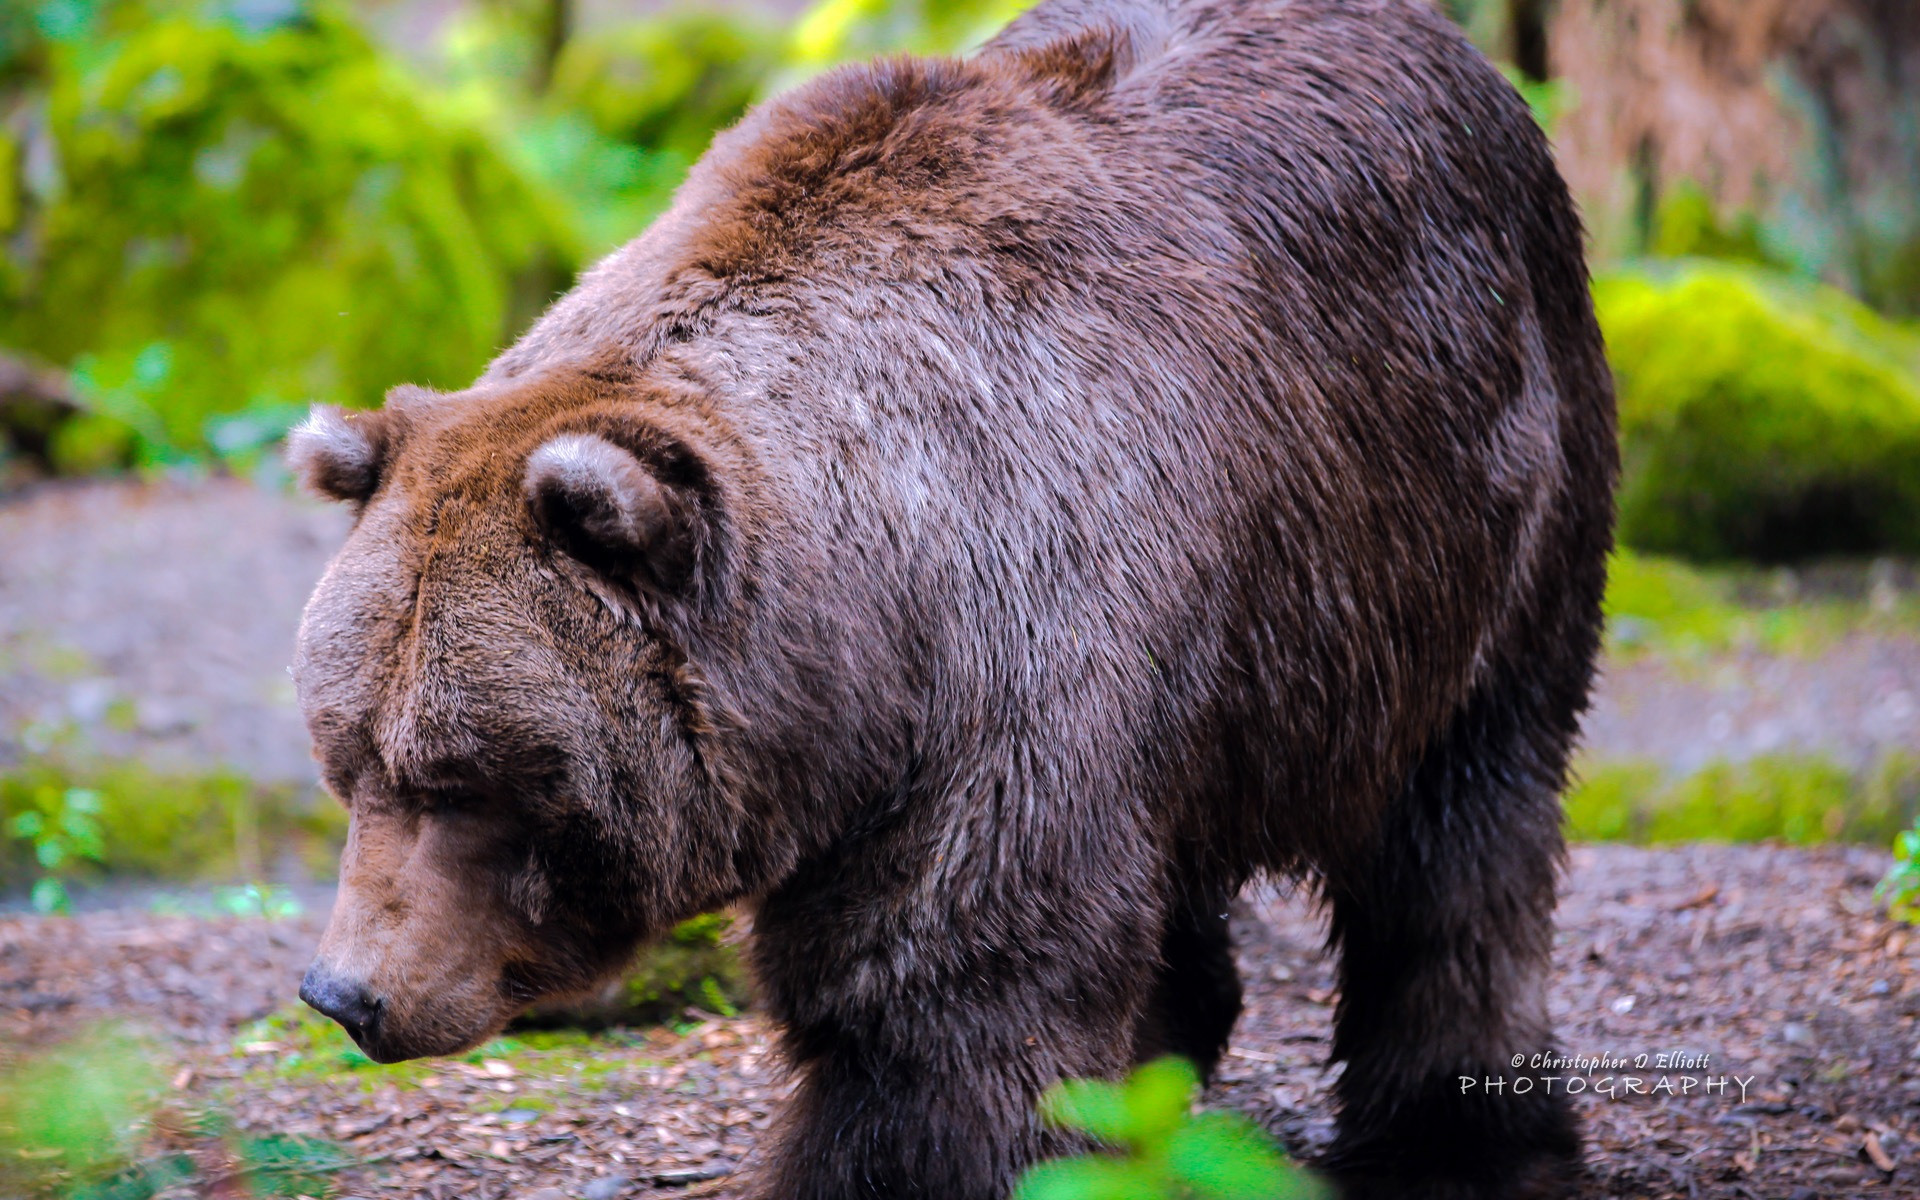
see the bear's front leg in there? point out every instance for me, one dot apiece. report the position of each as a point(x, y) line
point(925, 1019)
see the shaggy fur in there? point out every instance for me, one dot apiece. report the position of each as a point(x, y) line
point(1002, 506)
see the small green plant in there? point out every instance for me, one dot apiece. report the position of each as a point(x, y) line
point(63, 828)
point(1162, 1150)
point(267, 901)
point(1900, 887)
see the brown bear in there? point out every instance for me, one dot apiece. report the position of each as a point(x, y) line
point(1004, 505)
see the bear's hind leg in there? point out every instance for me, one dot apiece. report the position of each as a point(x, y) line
point(1445, 930)
point(1197, 994)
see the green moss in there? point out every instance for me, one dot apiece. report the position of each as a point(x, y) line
point(1685, 225)
point(1800, 799)
point(177, 827)
point(695, 966)
point(1760, 418)
point(298, 1043)
point(1682, 612)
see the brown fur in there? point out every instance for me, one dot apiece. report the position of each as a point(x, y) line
point(1003, 505)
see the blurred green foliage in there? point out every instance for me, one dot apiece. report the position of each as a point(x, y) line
point(216, 212)
point(73, 1114)
point(1795, 798)
point(665, 84)
point(1761, 419)
point(1685, 225)
point(226, 207)
point(1900, 887)
point(628, 112)
point(62, 825)
point(1682, 612)
point(146, 824)
point(85, 1120)
point(837, 31)
point(1162, 1149)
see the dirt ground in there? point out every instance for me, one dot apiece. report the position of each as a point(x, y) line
point(1766, 971)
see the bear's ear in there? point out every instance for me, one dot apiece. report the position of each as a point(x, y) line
point(337, 455)
point(605, 507)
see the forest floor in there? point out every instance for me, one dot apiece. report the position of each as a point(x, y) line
point(1785, 1001)
point(155, 622)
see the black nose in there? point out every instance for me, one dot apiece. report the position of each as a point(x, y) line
point(344, 1000)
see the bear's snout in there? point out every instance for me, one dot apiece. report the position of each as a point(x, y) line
point(347, 1001)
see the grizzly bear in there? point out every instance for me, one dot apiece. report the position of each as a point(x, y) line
point(1006, 504)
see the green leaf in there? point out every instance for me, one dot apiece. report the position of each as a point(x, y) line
point(1094, 1107)
point(50, 896)
point(1093, 1177)
point(1224, 1157)
point(1159, 1095)
point(27, 825)
point(1141, 1111)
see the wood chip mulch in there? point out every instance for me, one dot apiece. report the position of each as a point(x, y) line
point(1767, 967)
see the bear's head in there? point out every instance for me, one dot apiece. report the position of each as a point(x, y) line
point(493, 675)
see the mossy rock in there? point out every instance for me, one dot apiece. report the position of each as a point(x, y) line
point(1761, 418)
point(697, 966)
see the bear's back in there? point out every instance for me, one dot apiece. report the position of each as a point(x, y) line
point(1209, 358)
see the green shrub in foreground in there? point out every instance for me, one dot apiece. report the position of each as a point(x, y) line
point(72, 1113)
point(1163, 1150)
point(1761, 418)
point(76, 1117)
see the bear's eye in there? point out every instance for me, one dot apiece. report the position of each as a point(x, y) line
point(338, 455)
point(602, 505)
point(443, 802)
